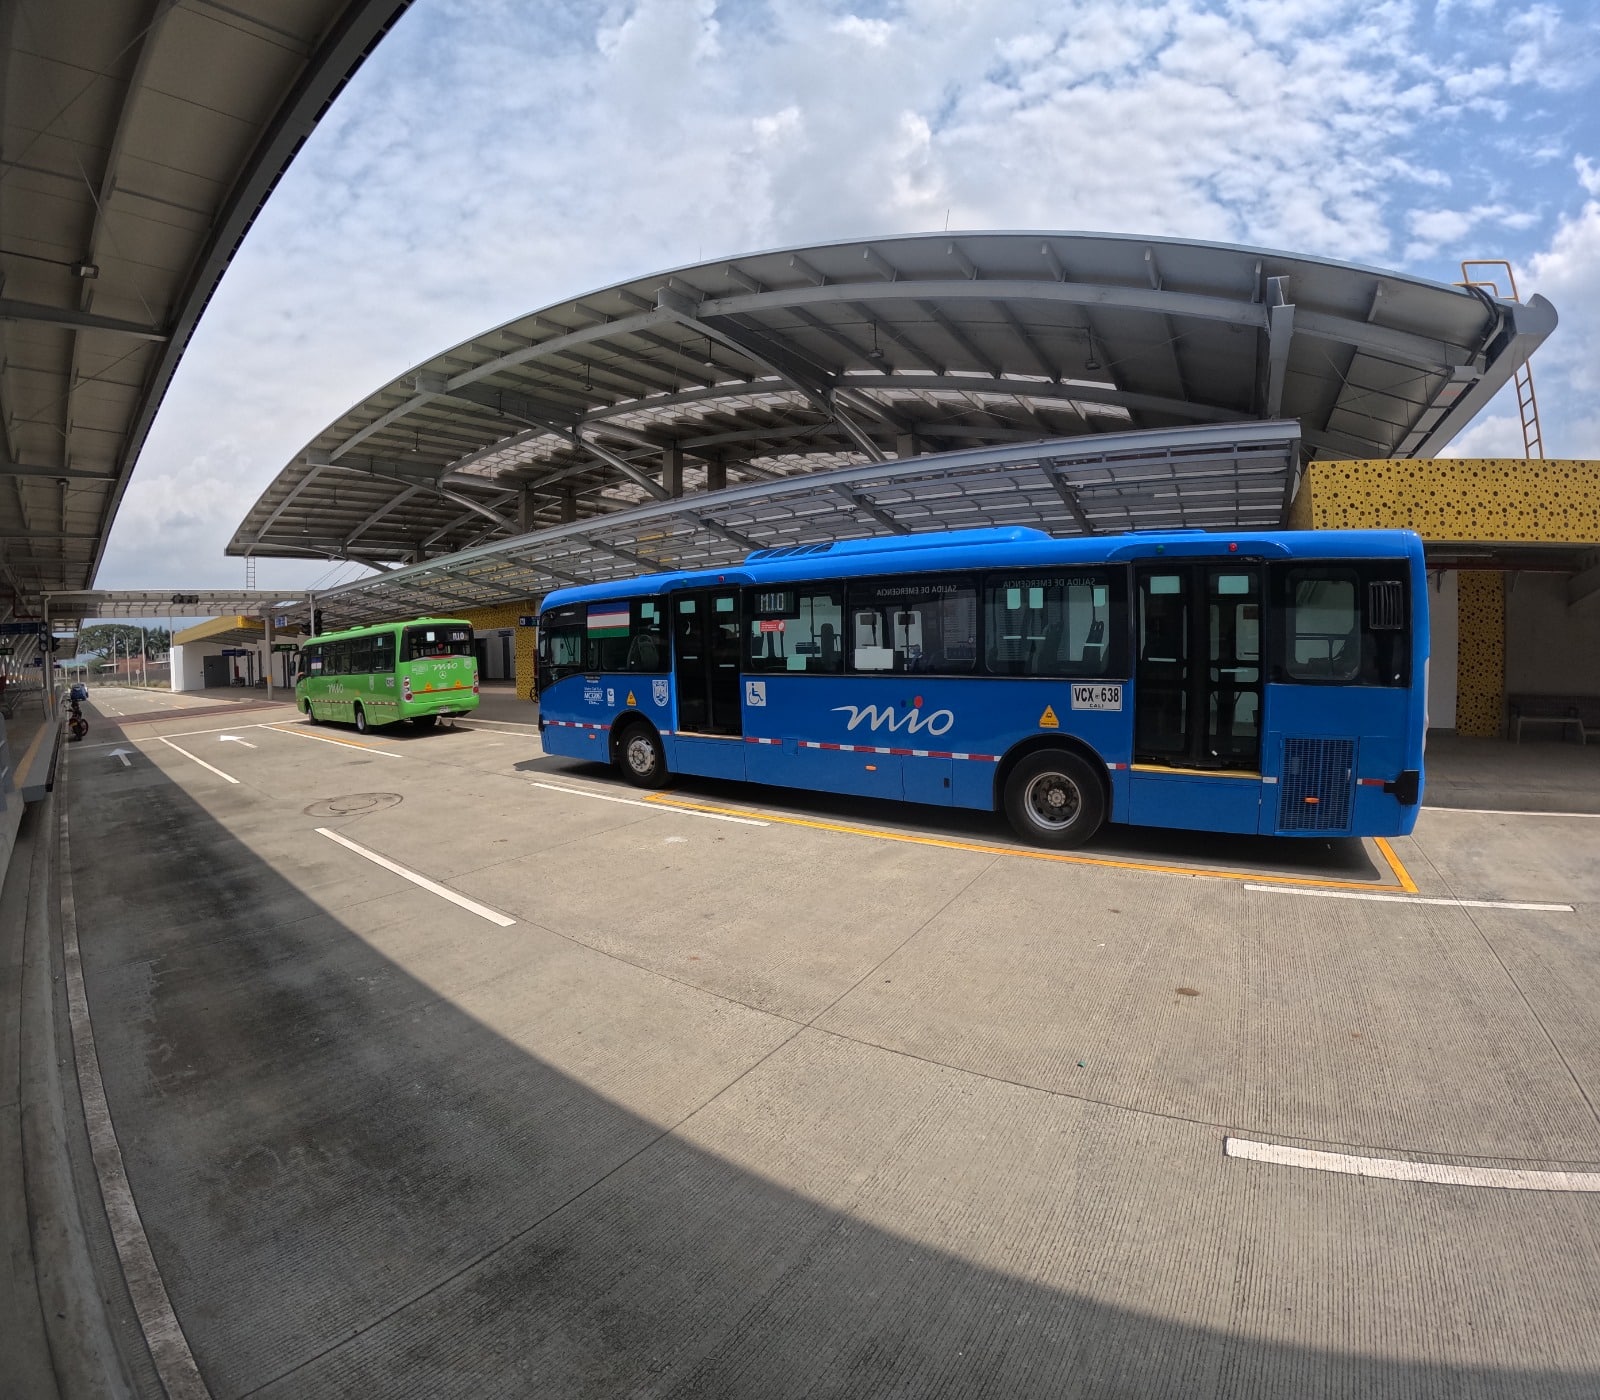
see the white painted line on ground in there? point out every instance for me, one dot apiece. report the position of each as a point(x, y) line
point(235, 739)
point(1393, 1169)
point(163, 1334)
point(471, 905)
point(531, 727)
point(322, 739)
point(648, 806)
point(1507, 812)
point(1415, 899)
point(123, 755)
point(200, 761)
point(225, 728)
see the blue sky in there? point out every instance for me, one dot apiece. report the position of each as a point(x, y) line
point(495, 156)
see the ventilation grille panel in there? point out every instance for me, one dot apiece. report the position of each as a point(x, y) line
point(1317, 784)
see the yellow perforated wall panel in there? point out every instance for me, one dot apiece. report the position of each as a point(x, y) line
point(506, 615)
point(1491, 500)
point(1481, 653)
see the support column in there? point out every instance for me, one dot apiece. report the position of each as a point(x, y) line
point(525, 510)
point(267, 617)
point(906, 445)
point(569, 505)
point(716, 474)
point(1480, 653)
point(672, 470)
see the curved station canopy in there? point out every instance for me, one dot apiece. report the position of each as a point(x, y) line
point(140, 141)
point(781, 365)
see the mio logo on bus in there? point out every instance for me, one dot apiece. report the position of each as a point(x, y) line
point(912, 719)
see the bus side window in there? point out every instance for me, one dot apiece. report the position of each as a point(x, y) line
point(795, 628)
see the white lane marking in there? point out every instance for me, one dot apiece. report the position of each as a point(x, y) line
point(1393, 1169)
point(235, 739)
point(1416, 899)
point(648, 806)
point(123, 755)
point(195, 733)
point(200, 761)
point(471, 905)
point(163, 1334)
point(531, 727)
point(1507, 812)
point(343, 743)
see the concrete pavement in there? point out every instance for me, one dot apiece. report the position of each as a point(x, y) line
point(765, 1106)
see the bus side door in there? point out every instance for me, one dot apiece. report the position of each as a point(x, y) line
point(705, 668)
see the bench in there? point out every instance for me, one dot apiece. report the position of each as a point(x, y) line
point(1578, 713)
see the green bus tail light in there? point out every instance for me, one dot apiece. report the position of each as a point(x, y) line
point(405, 687)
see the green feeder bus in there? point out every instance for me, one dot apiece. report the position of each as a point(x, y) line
point(367, 676)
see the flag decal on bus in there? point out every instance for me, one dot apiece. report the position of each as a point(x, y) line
point(608, 620)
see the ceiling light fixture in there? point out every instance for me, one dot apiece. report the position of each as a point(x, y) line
point(85, 270)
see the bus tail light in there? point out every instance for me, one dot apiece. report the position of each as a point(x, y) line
point(405, 687)
point(474, 685)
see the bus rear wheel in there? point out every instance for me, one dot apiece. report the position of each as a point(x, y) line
point(1054, 798)
point(641, 758)
point(361, 720)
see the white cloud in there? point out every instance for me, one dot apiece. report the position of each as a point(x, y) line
point(493, 157)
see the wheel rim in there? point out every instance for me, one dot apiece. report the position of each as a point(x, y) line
point(361, 721)
point(1053, 801)
point(641, 755)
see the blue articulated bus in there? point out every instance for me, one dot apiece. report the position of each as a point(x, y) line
point(1260, 682)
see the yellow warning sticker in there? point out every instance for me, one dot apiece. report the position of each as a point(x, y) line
point(631, 700)
point(1048, 719)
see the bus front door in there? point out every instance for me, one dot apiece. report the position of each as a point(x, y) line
point(705, 662)
point(1197, 695)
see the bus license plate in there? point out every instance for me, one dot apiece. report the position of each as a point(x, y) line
point(1097, 697)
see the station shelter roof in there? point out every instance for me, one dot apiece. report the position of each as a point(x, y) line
point(139, 143)
point(771, 367)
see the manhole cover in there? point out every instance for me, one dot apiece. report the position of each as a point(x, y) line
point(354, 804)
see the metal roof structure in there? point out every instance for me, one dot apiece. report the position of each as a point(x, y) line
point(1208, 477)
point(140, 139)
point(776, 365)
point(66, 609)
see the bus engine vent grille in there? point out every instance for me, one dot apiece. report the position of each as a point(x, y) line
point(1317, 784)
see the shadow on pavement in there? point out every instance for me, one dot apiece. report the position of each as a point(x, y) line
point(354, 1188)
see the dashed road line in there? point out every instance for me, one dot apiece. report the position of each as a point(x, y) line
point(1510, 812)
point(329, 739)
point(1395, 1169)
point(1448, 901)
point(483, 911)
point(684, 808)
point(185, 752)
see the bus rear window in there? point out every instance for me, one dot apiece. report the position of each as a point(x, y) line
point(424, 642)
point(1344, 623)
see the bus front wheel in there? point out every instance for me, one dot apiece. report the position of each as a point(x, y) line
point(310, 713)
point(641, 758)
point(361, 720)
point(1054, 798)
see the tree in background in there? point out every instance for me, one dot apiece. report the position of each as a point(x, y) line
point(98, 637)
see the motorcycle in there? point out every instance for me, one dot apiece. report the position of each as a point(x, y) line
point(77, 725)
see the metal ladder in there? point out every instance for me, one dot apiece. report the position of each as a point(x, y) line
point(1527, 402)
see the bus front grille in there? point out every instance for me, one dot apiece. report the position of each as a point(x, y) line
point(1317, 784)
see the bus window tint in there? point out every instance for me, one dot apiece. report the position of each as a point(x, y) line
point(1343, 623)
point(424, 642)
point(647, 636)
point(1324, 628)
point(560, 644)
point(797, 628)
point(927, 626)
point(1049, 625)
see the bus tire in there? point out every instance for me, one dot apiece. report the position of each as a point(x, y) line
point(311, 714)
point(1055, 798)
point(361, 720)
point(641, 758)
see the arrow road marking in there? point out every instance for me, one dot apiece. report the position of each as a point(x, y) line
point(235, 739)
point(123, 755)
